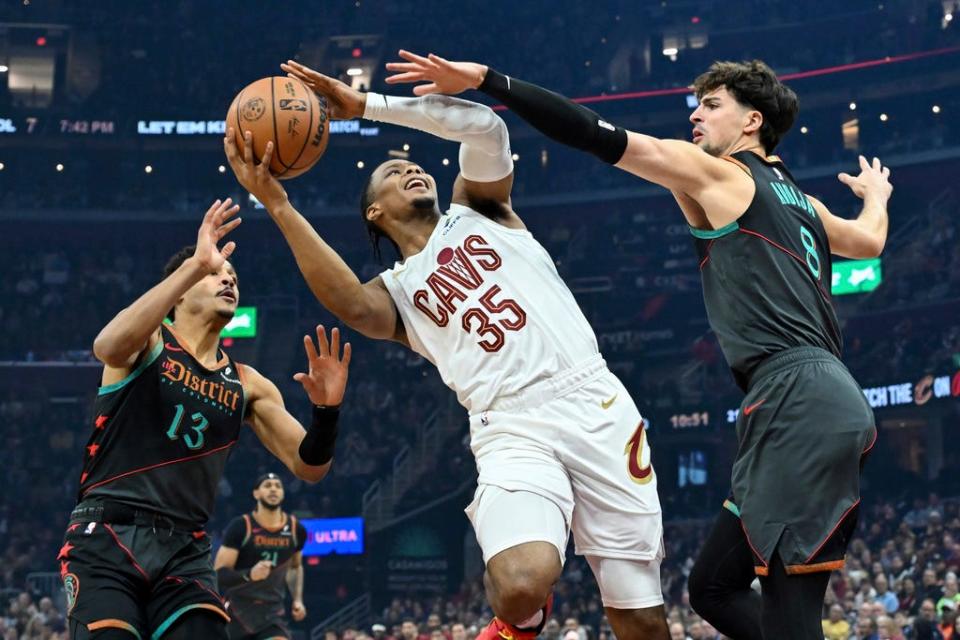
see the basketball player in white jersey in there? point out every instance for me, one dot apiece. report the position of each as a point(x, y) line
point(558, 441)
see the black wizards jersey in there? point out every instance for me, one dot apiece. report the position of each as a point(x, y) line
point(767, 275)
point(162, 435)
point(254, 543)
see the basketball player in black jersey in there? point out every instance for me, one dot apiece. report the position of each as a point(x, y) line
point(135, 561)
point(765, 254)
point(259, 559)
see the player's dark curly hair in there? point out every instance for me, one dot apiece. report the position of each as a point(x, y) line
point(754, 85)
point(173, 264)
point(374, 233)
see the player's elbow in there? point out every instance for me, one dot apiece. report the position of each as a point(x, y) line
point(311, 474)
point(110, 352)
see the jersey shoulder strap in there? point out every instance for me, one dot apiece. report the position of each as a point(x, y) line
point(246, 521)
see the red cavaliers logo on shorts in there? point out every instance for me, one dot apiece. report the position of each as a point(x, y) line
point(71, 588)
point(634, 450)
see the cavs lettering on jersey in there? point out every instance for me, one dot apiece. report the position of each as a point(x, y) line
point(161, 436)
point(766, 276)
point(486, 305)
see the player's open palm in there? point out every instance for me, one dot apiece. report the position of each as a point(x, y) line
point(254, 176)
point(442, 76)
point(215, 226)
point(874, 179)
point(343, 101)
point(326, 377)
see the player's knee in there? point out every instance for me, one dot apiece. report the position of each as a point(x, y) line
point(639, 624)
point(521, 588)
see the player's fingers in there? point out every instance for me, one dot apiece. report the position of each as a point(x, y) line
point(864, 165)
point(322, 340)
point(411, 76)
point(228, 209)
point(309, 348)
point(227, 228)
point(845, 178)
point(886, 172)
point(230, 148)
point(426, 89)
point(347, 353)
point(210, 212)
point(248, 147)
point(412, 57)
point(228, 249)
point(300, 377)
point(267, 157)
point(437, 60)
point(335, 343)
point(404, 66)
point(876, 163)
point(300, 68)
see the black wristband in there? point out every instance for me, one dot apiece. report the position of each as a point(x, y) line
point(557, 117)
point(317, 446)
point(228, 578)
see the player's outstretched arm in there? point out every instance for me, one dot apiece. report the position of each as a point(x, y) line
point(365, 307)
point(135, 329)
point(307, 453)
point(677, 165)
point(486, 164)
point(865, 235)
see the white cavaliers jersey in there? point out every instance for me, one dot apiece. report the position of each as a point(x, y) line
point(485, 304)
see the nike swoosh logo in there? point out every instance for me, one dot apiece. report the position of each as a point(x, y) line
point(748, 410)
point(606, 404)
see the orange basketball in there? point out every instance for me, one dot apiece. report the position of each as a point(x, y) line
point(285, 111)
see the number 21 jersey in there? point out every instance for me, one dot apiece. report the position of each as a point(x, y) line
point(485, 304)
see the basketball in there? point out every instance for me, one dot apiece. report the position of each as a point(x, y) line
point(287, 112)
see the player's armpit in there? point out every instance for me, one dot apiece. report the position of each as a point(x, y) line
point(113, 373)
point(491, 199)
point(857, 239)
point(379, 317)
point(674, 164)
point(277, 430)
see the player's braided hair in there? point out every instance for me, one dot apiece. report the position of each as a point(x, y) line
point(754, 85)
point(374, 233)
point(173, 264)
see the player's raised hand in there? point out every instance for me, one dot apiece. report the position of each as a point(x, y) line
point(874, 179)
point(343, 101)
point(442, 76)
point(326, 377)
point(216, 224)
point(297, 611)
point(252, 176)
point(261, 570)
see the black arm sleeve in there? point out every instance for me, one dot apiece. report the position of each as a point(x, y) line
point(557, 117)
point(316, 448)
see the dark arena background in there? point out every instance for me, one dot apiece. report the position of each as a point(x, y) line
point(111, 129)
